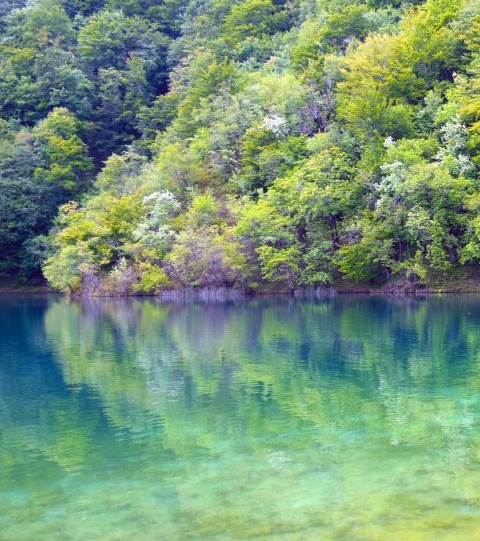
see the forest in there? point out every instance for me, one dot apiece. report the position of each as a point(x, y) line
point(260, 145)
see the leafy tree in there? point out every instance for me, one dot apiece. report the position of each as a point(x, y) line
point(65, 162)
point(26, 205)
point(253, 18)
point(204, 257)
point(91, 239)
point(39, 171)
point(40, 25)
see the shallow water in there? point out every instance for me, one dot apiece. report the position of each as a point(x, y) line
point(350, 419)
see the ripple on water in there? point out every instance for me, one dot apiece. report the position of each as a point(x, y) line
point(346, 419)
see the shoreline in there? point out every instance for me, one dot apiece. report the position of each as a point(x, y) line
point(224, 293)
point(465, 280)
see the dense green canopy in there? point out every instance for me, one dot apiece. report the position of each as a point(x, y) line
point(238, 142)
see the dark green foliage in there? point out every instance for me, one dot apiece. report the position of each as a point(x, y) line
point(31, 190)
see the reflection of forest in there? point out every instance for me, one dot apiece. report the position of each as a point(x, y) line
point(337, 379)
point(218, 366)
point(306, 359)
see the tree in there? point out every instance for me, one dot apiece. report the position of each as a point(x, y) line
point(253, 18)
point(26, 205)
point(65, 161)
point(39, 171)
point(204, 257)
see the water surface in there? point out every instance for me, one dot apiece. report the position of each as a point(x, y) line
point(349, 419)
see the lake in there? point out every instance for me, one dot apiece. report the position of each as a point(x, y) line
point(351, 418)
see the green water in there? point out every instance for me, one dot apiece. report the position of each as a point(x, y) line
point(350, 419)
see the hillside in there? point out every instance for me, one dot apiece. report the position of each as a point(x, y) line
point(254, 144)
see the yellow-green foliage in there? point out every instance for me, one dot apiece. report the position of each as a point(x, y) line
point(298, 143)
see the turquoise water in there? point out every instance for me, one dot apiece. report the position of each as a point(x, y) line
point(350, 419)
